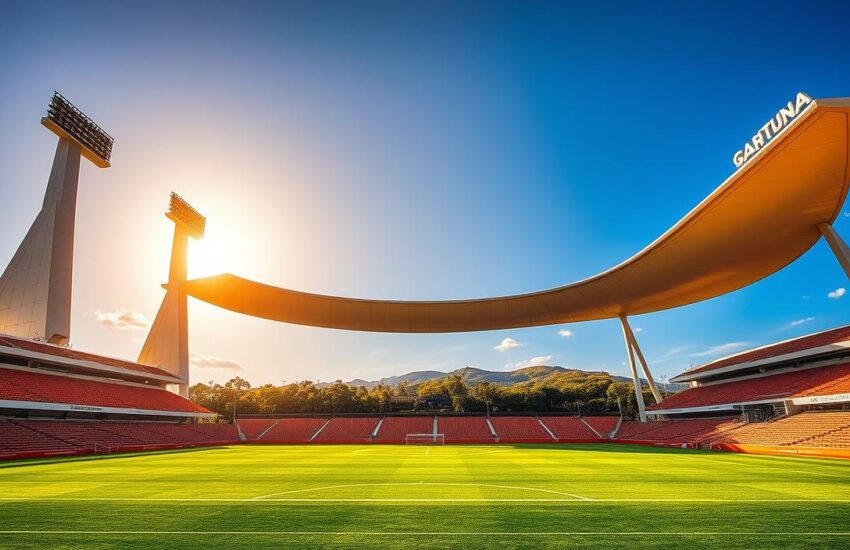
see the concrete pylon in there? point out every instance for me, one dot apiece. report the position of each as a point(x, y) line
point(167, 344)
point(35, 288)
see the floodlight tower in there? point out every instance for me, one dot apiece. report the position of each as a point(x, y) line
point(35, 288)
point(167, 344)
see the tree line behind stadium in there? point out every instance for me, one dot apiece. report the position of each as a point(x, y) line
point(572, 392)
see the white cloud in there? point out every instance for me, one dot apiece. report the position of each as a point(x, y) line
point(638, 329)
point(799, 322)
point(837, 293)
point(565, 333)
point(721, 349)
point(204, 362)
point(542, 360)
point(123, 319)
point(675, 352)
point(507, 344)
point(846, 214)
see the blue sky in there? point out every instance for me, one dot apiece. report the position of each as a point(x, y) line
point(422, 151)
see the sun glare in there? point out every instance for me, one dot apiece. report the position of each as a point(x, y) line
point(212, 255)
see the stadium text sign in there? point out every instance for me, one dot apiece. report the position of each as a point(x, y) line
point(773, 128)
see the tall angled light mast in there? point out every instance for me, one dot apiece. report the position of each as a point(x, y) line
point(35, 288)
point(167, 344)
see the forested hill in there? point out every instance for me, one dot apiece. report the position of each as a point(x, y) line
point(470, 376)
point(532, 389)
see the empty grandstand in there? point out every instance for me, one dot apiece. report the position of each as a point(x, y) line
point(792, 395)
point(774, 380)
point(789, 396)
point(570, 428)
point(395, 429)
point(465, 429)
point(281, 430)
point(54, 400)
point(35, 438)
point(347, 430)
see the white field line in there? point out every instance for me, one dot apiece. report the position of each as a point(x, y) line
point(486, 453)
point(308, 500)
point(442, 533)
point(424, 484)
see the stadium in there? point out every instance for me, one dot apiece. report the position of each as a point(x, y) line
point(746, 449)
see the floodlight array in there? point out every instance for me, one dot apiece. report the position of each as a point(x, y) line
point(79, 126)
point(182, 212)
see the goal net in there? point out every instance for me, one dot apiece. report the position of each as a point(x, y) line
point(425, 439)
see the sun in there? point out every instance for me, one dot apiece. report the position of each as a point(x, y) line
point(212, 255)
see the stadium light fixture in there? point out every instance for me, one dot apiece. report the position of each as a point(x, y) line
point(68, 122)
point(181, 212)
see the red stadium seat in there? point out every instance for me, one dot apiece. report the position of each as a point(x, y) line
point(799, 383)
point(809, 429)
point(49, 436)
point(24, 385)
point(568, 428)
point(520, 429)
point(602, 424)
point(293, 429)
point(253, 428)
point(674, 432)
point(394, 428)
point(342, 429)
point(464, 429)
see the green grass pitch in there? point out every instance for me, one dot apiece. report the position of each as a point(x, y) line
point(381, 496)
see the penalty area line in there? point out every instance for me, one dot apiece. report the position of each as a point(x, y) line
point(427, 484)
point(436, 533)
point(368, 500)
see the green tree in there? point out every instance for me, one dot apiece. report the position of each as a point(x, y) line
point(484, 392)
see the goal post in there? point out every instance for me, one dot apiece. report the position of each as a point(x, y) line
point(425, 439)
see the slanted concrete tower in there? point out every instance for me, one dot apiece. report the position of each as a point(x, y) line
point(167, 344)
point(35, 288)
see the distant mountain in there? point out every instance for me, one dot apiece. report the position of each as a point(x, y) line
point(472, 376)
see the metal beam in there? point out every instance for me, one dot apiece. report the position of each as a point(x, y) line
point(838, 246)
point(635, 377)
point(631, 337)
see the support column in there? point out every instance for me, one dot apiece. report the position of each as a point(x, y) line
point(837, 245)
point(635, 377)
point(35, 288)
point(633, 342)
point(167, 344)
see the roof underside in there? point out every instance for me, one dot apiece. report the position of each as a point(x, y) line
point(803, 348)
point(24, 348)
point(758, 221)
